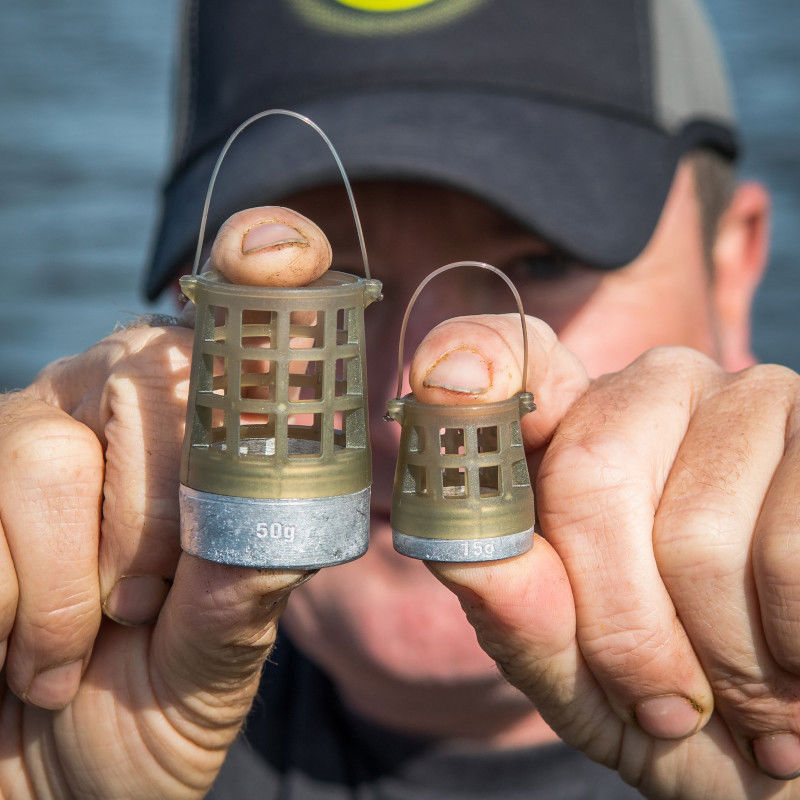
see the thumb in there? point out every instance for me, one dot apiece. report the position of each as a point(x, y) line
point(478, 359)
point(523, 613)
point(218, 623)
point(270, 246)
point(522, 608)
point(214, 632)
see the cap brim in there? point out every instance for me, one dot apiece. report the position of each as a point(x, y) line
point(592, 184)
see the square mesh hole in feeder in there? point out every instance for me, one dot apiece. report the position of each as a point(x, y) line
point(307, 382)
point(217, 322)
point(487, 439)
point(489, 481)
point(451, 441)
point(305, 435)
point(306, 329)
point(214, 374)
point(256, 434)
point(415, 480)
point(340, 386)
point(416, 439)
point(218, 428)
point(454, 483)
point(256, 380)
point(345, 325)
point(257, 329)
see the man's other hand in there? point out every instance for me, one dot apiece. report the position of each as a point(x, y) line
point(656, 622)
point(144, 699)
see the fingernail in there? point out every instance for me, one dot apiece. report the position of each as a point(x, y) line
point(778, 754)
point(462, 371)
point(270, 234)
point(668, 717)
point(54, 688)
point(136, 599)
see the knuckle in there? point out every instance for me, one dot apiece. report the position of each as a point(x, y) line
point(591, 475)
point(765, 390)
point(753, 700)
point(151, 384)
point(700, 528)
point(51, 439)
point(133, 339)
point(641, 656)
point(74, 622)
point(768, 376)
point(616, 645)
point(54, 368)
point(151, 358)
point(704, 554)
point(675, 361)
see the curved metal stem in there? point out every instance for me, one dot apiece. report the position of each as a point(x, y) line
point(283, 112)
point(447, 268)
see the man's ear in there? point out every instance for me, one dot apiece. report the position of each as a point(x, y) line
point(739, 261)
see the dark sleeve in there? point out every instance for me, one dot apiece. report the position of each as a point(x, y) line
point(293, 744)
point(301, 743)
point(245, 775)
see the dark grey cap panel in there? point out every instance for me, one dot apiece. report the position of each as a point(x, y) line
point(526, 49)
point(566, 178)
point(569, 115)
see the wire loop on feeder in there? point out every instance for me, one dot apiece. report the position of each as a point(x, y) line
point(427, 280)
point(286, 113)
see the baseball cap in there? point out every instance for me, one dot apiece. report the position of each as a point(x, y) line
point(569, 116)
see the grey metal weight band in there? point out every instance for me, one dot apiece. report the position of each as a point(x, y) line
point(463, 550)
point(275, 534)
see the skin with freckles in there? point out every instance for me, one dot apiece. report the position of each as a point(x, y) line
point(654, 625)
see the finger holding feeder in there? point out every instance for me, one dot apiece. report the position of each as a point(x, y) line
point(462, 492)
point(280, 248)
point(275, 468)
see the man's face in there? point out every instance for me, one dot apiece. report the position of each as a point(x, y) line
point(383, 617)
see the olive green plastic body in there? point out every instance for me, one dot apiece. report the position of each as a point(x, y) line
point(277, 397)
point(461, 470)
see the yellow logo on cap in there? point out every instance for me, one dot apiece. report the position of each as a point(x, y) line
point(381, 17)
point(384, 5)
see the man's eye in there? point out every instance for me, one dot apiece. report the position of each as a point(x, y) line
point(542, 267)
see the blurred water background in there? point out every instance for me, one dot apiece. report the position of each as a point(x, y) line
point(84, 115)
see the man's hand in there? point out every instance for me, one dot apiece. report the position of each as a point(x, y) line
point(656, 622)
point(146, 701)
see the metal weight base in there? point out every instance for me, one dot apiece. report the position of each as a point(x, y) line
point(463, 550)
point(275, 534)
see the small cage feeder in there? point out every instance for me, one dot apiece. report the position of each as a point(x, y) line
point(275, 468)
point(462, 491)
